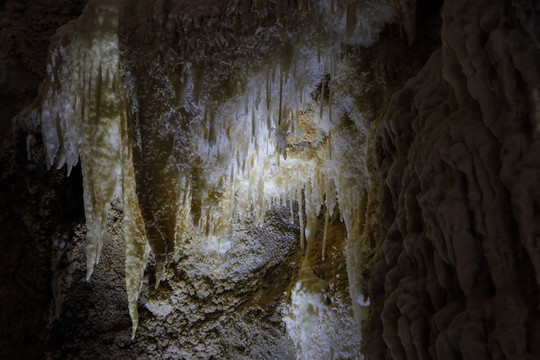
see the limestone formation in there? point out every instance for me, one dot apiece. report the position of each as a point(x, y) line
point(311, 179)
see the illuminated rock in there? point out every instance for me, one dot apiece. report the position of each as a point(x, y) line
point(416, 215)
point(209, 125)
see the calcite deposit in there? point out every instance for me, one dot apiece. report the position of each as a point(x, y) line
point(458, 164)
point(193, 118)
point(312, 179)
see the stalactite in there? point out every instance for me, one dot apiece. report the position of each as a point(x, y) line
point(301, 219)
point(203, 150)
point(325, 235)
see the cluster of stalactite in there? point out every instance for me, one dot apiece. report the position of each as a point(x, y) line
point(191, 115)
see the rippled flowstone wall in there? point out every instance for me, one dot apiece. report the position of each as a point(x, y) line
point(455, 274)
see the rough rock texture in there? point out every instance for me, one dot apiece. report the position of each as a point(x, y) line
point(193, 314)
point(39, 208)
point(452, 216)
point(223, 303)
point(25, 31)
point(39, 212)
point(455, 271)
point(185, 113)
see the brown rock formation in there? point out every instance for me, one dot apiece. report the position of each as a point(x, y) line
point(436, 246)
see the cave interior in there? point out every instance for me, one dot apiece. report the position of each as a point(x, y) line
point(270, 179)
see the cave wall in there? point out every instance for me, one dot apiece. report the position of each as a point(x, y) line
point(455, 273)
point(451, 216)
point(39, 208)
point(216, 299)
